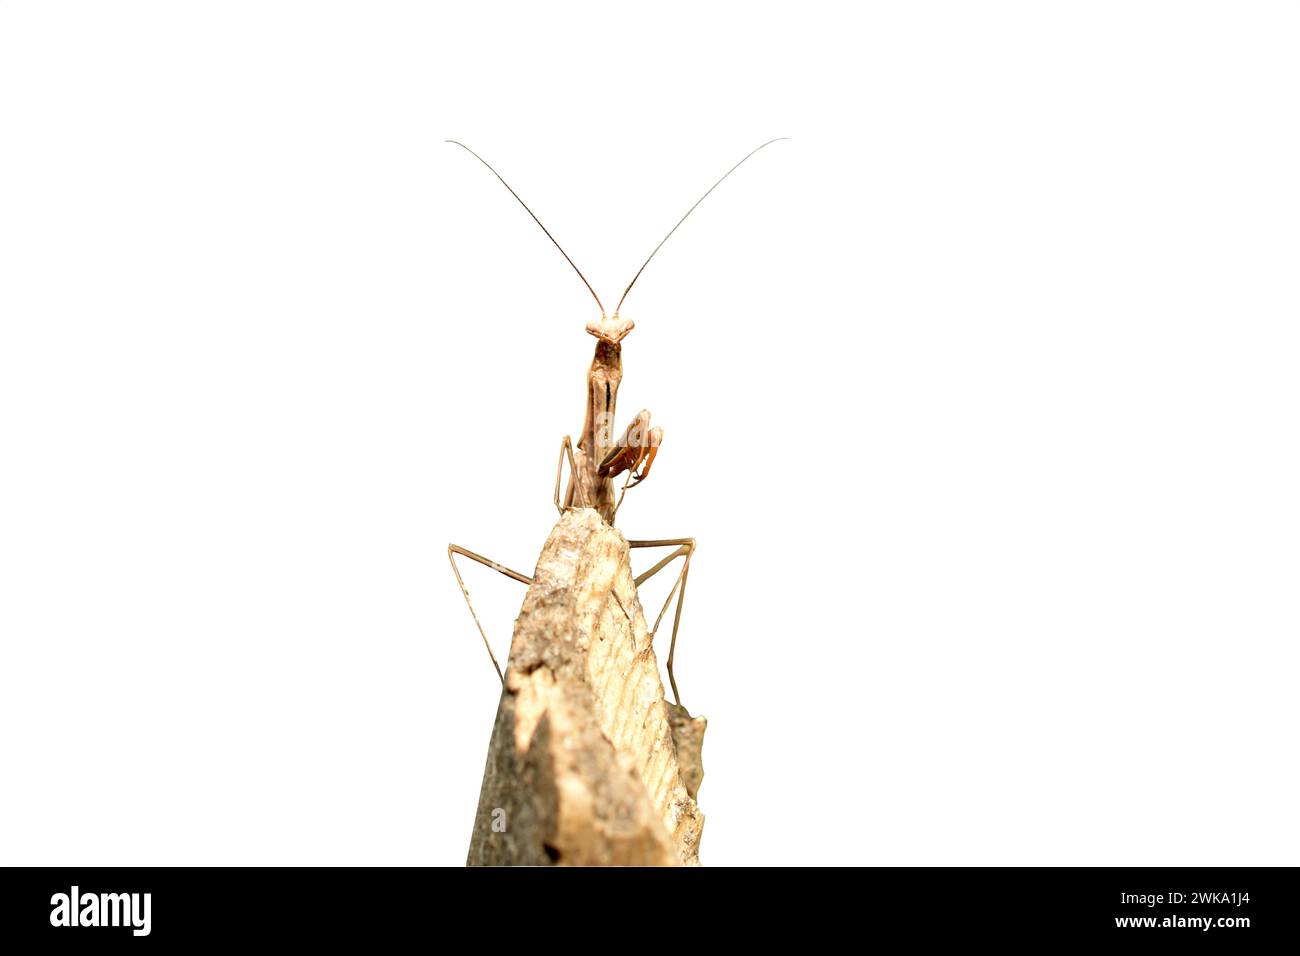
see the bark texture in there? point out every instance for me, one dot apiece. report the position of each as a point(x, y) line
point(588, 764)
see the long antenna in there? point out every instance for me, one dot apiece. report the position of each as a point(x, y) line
point(538, 221)
point(683, 219)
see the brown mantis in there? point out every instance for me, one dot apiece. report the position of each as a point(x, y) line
point(599, 457)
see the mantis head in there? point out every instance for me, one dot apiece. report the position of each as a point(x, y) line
point(611, 330)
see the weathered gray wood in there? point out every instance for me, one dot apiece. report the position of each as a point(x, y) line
point(587, 765)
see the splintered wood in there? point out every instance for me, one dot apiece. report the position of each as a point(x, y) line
point(588, 764)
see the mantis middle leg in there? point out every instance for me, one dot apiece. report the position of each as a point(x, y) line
point(685, 548)
point(455, 549)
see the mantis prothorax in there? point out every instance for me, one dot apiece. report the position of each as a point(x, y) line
point(599, 458)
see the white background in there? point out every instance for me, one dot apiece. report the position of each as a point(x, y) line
point(979, 393)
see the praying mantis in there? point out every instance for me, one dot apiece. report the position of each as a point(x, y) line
point(599, 458)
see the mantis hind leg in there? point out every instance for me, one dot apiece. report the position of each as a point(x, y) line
point(685, 547)
point(455, 549)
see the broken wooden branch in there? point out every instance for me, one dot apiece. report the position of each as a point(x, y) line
point(588, 764)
